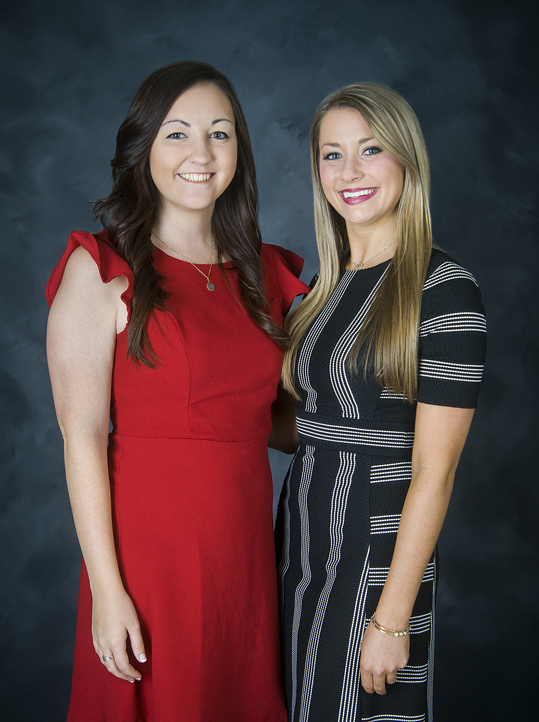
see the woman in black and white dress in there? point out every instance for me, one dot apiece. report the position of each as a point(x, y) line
point(386, 360)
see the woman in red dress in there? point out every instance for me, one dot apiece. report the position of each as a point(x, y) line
point(169, 323)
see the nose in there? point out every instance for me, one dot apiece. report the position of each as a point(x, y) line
point(352, 169)
point(200, 151)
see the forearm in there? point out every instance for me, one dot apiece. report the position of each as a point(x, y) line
point(89, 492)
point(114, 617)
point(284, 439)
point(284, 431)
point(421, 521)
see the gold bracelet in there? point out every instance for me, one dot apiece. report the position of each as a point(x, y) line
point(391, 632)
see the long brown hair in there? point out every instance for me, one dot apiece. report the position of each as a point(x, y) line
point(388, 341)
point(129, 212)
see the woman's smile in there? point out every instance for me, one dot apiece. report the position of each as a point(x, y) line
point(196, 177)
point(357, 195)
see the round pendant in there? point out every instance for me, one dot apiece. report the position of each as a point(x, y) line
point(358, 266)
point(210, 286)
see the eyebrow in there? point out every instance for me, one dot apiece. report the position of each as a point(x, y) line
point(188, 125)
point(338, 145)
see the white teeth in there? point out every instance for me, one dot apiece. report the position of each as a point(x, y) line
point(196, 177)
point(356, 194)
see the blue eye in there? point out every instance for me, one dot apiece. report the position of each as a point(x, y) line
point(372, 150)
point(219, 135)
point(177, 134)
point(332, 156)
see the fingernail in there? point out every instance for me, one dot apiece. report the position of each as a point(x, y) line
point(138, 679)
point(131, 680)
point(142, 658)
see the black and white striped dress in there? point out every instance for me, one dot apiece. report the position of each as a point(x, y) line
point(342, 499)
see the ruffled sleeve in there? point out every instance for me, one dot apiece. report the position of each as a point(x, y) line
point(282, 269)
point(109, 262)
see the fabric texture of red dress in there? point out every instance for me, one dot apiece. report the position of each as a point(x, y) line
point(192, 501)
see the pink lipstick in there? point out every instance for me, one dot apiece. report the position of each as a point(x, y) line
point(352, 196)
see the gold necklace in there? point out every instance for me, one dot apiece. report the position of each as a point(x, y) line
point(209, 285)
point(362, 264)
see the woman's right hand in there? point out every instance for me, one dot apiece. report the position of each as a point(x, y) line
point(114, 620)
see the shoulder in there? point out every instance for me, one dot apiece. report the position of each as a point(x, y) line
point(450, 285)
point(85, 275)
point(90, 261)
point(443, 269)
point(105, 256)
point(81, 268)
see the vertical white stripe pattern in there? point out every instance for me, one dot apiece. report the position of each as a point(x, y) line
point(339, 500)
point(311, 338)
point(306, 476)
point(285, 558)
point(337, 363)
point(351, 680)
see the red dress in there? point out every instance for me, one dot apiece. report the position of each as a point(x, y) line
point(192, 502)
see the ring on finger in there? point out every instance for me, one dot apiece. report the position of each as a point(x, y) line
point(107, 658)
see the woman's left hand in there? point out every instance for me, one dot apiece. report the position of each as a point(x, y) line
point(381, 656)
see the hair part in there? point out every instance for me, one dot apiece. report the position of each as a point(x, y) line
point(130, 211)
point(387, 343)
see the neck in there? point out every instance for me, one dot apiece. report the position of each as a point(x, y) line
point(189, 233)
point(377, 243)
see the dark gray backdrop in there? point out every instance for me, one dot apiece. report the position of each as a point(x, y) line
point(469, 69)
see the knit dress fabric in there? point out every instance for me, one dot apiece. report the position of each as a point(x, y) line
point(192, 500)
point(342, 499)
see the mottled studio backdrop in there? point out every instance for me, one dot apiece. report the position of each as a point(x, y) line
point(469, 69)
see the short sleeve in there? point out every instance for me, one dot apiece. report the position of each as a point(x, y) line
point(109, 262)
point(282, 269)
point(452, 338)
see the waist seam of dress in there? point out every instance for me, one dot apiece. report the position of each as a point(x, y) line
point(186, 438)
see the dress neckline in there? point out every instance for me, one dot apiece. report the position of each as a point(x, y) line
point(362, 271)
point(228, 265)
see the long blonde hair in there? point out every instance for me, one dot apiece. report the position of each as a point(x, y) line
point(387, 343)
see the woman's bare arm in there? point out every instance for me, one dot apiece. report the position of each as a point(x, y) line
point(84, 319)
point(440, 433)
point(284, 432)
